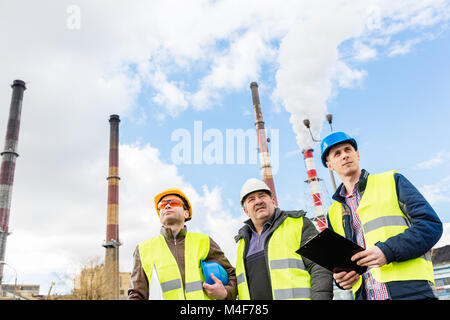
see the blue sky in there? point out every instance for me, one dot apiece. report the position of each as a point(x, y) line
point(380, 68)
point(397, 113)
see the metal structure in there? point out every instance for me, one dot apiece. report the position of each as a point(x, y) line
point(8, 165)
point(313, 182)
point(313, 179)
point(112, 242)
point(329, 119)
point(266, 168)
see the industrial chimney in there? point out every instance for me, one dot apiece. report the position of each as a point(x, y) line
point(9, 156)
point(313, 182)
point(112, 242)
point(266, 168)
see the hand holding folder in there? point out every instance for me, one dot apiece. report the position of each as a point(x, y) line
point(332, 251)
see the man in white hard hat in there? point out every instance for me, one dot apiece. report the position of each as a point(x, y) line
point(267, 266)
point(178, 257)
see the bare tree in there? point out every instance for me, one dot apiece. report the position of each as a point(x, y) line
point(90, 283)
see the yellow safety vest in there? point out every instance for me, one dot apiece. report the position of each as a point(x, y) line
point(287, 272)
point(155, 252)
point(381, 219)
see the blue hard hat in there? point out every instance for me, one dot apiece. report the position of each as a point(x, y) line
point(333, 139)
point(216, 269)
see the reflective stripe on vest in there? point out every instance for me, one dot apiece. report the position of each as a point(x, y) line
point(288, 276)
point(382, 219)
point(243, 292)
point(155, 252)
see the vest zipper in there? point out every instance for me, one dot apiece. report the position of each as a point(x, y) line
point(266, 249)
point(176, 259)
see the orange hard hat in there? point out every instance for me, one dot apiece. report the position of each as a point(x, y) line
point(176, 192)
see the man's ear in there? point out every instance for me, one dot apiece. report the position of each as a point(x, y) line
point(246, 211)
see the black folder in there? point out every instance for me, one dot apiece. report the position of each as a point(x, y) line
point(332, 251)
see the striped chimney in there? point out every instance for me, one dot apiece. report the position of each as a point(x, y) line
point(8, 165)
point(266, 168)
point(112, 242)
point(313, 181)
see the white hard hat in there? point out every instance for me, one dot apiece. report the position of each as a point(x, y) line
point(252, 185)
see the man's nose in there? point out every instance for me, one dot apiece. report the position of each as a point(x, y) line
point(258, 200)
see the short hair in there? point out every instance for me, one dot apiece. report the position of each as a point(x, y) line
point(336, 145)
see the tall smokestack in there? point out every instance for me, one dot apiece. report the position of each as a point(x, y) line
point(266, 168)
point(313, 182)
point(112, 242)
point(9, 156)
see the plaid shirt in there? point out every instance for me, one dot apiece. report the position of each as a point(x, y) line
point(374, 290)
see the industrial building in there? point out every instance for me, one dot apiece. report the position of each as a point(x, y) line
point(19, 292)
point(112, 242)
point(8, 165)
point(264, 159)
point(441, 266)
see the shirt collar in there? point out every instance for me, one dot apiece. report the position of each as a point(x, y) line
point(167, 233)
point(343, 192)
point(340, 193)
point(268, 223)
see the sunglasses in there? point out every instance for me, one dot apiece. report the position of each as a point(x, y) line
point(173, 203)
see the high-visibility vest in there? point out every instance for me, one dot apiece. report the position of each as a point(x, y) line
point(287, 272)
point(155, 253)
point(381, 219)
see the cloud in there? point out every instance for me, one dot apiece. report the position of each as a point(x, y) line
point(363, 52)
point(395, 17)
point(437, 159)
point(309, 62)
point(438, 192)
point(168, 94)
point(445, 239)
point(234, 69)
point(313, 64)
point(403, 48)
point(223, 48)
point(347, 77)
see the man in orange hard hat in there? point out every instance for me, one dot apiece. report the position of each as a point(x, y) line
point(178, 257)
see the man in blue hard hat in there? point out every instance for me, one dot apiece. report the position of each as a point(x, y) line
point(385, 214)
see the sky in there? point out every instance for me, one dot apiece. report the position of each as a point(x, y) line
point(178, 74)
